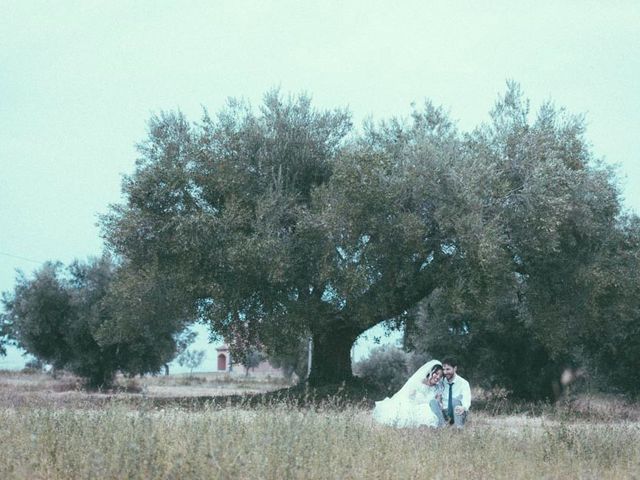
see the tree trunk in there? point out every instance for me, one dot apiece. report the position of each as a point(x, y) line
point(331, 356)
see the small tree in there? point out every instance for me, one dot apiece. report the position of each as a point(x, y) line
point(252, 359)
point(191, 359)
point(93, 319)
point(40, 314)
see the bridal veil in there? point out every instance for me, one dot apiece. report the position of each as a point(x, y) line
point(410, 406)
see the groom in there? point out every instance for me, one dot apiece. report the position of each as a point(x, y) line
point(456, 398)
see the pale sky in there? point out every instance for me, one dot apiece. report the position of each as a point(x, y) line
point(79, 80)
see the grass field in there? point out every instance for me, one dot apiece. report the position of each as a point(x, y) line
point(55, 434)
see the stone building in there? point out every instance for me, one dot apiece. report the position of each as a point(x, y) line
point(224, 363)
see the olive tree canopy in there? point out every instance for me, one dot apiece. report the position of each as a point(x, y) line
point(284, 223)
point(280, 225)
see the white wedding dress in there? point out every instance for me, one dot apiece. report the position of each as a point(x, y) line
point(413, 405)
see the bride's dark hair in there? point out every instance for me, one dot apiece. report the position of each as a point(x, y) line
point(435, 368)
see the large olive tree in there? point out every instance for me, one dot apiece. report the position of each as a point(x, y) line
point(284, 223)
point(557, 286)
point(279, 225)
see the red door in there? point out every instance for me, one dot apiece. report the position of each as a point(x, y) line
point(222, 362)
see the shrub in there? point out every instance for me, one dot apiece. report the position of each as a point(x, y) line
point(385, 368)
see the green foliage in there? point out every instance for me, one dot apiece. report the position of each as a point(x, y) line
point(3, 338)
point(278, 228)
point(40, 313)
point(251, 359)
point(385, 368)
point(191, 359)
point(294, 359)
point(34, 365)
point(543, 283)
point(282, 224)
point(86, 320)
point(143, 319)
point(611, 335)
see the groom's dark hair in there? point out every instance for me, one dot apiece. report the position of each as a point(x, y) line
point(450, 361)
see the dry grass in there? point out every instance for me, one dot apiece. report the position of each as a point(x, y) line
point(117, 437)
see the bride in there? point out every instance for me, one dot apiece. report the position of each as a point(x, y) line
point(417, 403)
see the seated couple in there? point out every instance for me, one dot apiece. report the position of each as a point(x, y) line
point(435, 396)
